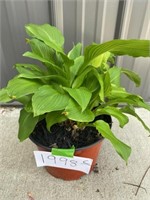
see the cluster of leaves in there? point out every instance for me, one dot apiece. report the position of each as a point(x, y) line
point(74, 86)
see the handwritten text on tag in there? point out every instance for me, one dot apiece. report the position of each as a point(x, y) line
point(44, 158)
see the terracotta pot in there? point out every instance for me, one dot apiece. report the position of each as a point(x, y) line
point(90, 151)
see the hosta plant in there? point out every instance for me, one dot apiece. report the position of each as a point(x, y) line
point(75, 87)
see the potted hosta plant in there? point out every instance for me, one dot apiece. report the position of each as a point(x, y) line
point(69, 98)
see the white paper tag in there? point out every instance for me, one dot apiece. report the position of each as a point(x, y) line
point(44, 158)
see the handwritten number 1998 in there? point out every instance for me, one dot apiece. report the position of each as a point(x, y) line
point(73, 163)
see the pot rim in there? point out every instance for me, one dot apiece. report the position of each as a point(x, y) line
point(78, 149)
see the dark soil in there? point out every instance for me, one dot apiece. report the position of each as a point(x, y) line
point(63, 135)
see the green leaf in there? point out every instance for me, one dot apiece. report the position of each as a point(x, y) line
point(114, 74)
point(100, 60)
point(53, 69)
point(46, 55)
point(101, 82)
point(132, 76)
point(24, 99)
point(91, 82)
point(75, 67)
point(36, 57)
point(18, 87)
point(73, 111)
point(107, 84)
point(27, 73)
point(75, 52)
point(54, 117)
point(139, 101)
point(47, 99)
point(50, 35)
point(117, 92)
point(24, 67)
point(66, 60)
point(115, 112)
point(134, 100)
point(100, 78)
point(27, 124)
point(55, 78)
point(130, 110)
point(133, 48)
point(28, 106)
point(121, 148)
point(80, 78)
point(42, 50)
point(81, 95)
point(4, 97)
point(66, 64)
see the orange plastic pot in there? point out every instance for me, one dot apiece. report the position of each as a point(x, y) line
point(90, 151)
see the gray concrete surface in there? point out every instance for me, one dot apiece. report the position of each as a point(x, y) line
point(20, 179)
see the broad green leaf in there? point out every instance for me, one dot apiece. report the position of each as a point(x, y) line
point(50, 57)
point(134, 100)
point(100, 78)
point(107, 84)
point(94, 103)
point(80, 78)
point(24, 99)
point(132, 76)
point(58, 59)
point(36, 57)
point(50, 35)
point(42, 50)
point(117, 92)
point(133, 48)
point(47, 99)
point(66, 64)
point(139, 101)
point(117, 101)
point(74, 112)
point(28, 106)
point(121, 148)
point(130, 110)
point(101, 82)
point(27, 124)
point(75, 67)
point(66, 60)
point(75, 51)
point(20, 67)
point(25, 72)
point(91, 82)
point(54, 117)
point(43, 53)
point(18, 87)
point(54, 78)
point(4, 97)
point(53, 69)
point(32, 75)
point(81, 95)
point(114, 74)
point(115, 112)
point(100, 60)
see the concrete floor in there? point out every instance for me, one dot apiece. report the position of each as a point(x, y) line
point(21, 180)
